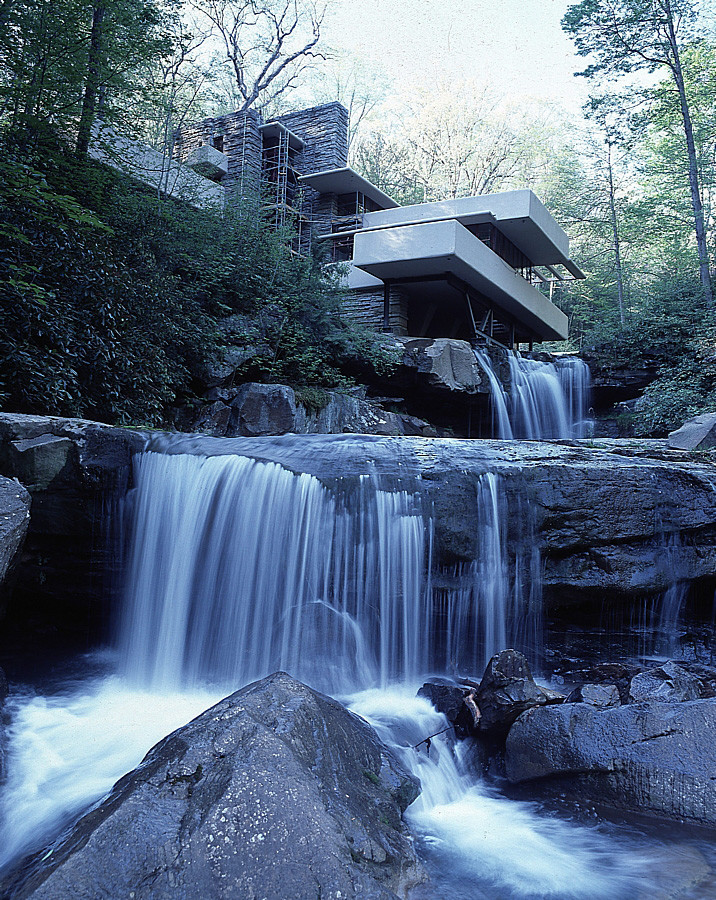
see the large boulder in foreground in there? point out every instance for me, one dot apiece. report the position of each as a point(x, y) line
point(656, 757)
point(276, 792)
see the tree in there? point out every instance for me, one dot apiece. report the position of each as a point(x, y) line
point(356, 84)
point(448, 142)
point(662, 154)
point(267, 43)
point(61, 59)
point(624, 37)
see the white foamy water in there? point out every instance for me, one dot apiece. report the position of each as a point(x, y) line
point(481, 845)
point(66, 751)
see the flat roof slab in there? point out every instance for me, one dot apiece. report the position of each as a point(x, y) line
point(347, 181)
point(519, 215)
point(446, 247)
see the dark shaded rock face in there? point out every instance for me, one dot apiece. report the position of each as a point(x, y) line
point(71, 469)
point(276, 792)
point(506, 690)
point(600, 695)
point(455, 702)
point(14, 521)
point(593, 506)
point(655, 757)
point(257, 410)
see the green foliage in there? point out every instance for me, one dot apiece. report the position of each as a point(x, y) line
point(46, 65)
point(112, 301)
point(623, 36)
point(676, 338)
point(314, 399)
point(92, 321)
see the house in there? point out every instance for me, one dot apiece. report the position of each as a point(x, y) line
point(471, 267)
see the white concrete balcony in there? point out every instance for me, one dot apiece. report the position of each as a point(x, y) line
point(409, 253)
point(209, 162)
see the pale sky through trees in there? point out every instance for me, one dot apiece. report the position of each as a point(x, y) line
point(515, 46)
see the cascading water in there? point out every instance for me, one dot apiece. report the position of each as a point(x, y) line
point(576, 382)
point(479, 846)
point(501, 426)
point(237, 567)
point(499, 602)
point(546, 400)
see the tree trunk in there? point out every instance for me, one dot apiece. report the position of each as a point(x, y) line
point(92, 84)
point(615, 237)
point(696, 203)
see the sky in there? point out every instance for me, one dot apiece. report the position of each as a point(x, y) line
point(516, 46)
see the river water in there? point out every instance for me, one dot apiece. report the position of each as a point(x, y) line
point(236, 568)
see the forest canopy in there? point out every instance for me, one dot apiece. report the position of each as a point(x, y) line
point(113, 298)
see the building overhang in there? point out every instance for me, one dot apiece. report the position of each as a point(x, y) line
point(432, 249)
point(519, 215)
point(347, 181)
point(276, 129)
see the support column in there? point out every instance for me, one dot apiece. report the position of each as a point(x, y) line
point(386, 307)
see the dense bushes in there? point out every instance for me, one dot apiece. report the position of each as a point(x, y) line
point(674, 334)
point(112, 299)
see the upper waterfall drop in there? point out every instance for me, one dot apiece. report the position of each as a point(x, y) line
point(546, 400)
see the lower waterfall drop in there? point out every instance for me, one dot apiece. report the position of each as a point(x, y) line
point(236, 567)
point(240, 568)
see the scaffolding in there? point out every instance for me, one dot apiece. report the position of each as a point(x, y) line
point(282, 196)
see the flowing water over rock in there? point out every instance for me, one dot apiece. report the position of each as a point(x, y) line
point(237, 567)
point(545, 401)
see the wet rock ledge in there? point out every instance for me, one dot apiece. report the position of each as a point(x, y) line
point(631, 737)
point(612, 520)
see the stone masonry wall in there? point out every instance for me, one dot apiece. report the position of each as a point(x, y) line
point(242, 146)
point(325, 130)
point(366, 308)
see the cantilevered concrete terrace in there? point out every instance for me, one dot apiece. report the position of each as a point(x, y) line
point(409, 254)
point(463, 266)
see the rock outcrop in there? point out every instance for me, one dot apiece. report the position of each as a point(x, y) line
point(14, 521)
point(507, 689)
point(437, 379)
point(256, 410)
point(610, 519)
point(71, 469)
point(275, 792)
point(445, 364)
point(655, 757)
point(698, 433)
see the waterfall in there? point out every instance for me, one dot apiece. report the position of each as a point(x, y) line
point(238, 568)
point(499, 601)
point(538, 407)
point(576, 382)
point(501, 427)
point(546, 401)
